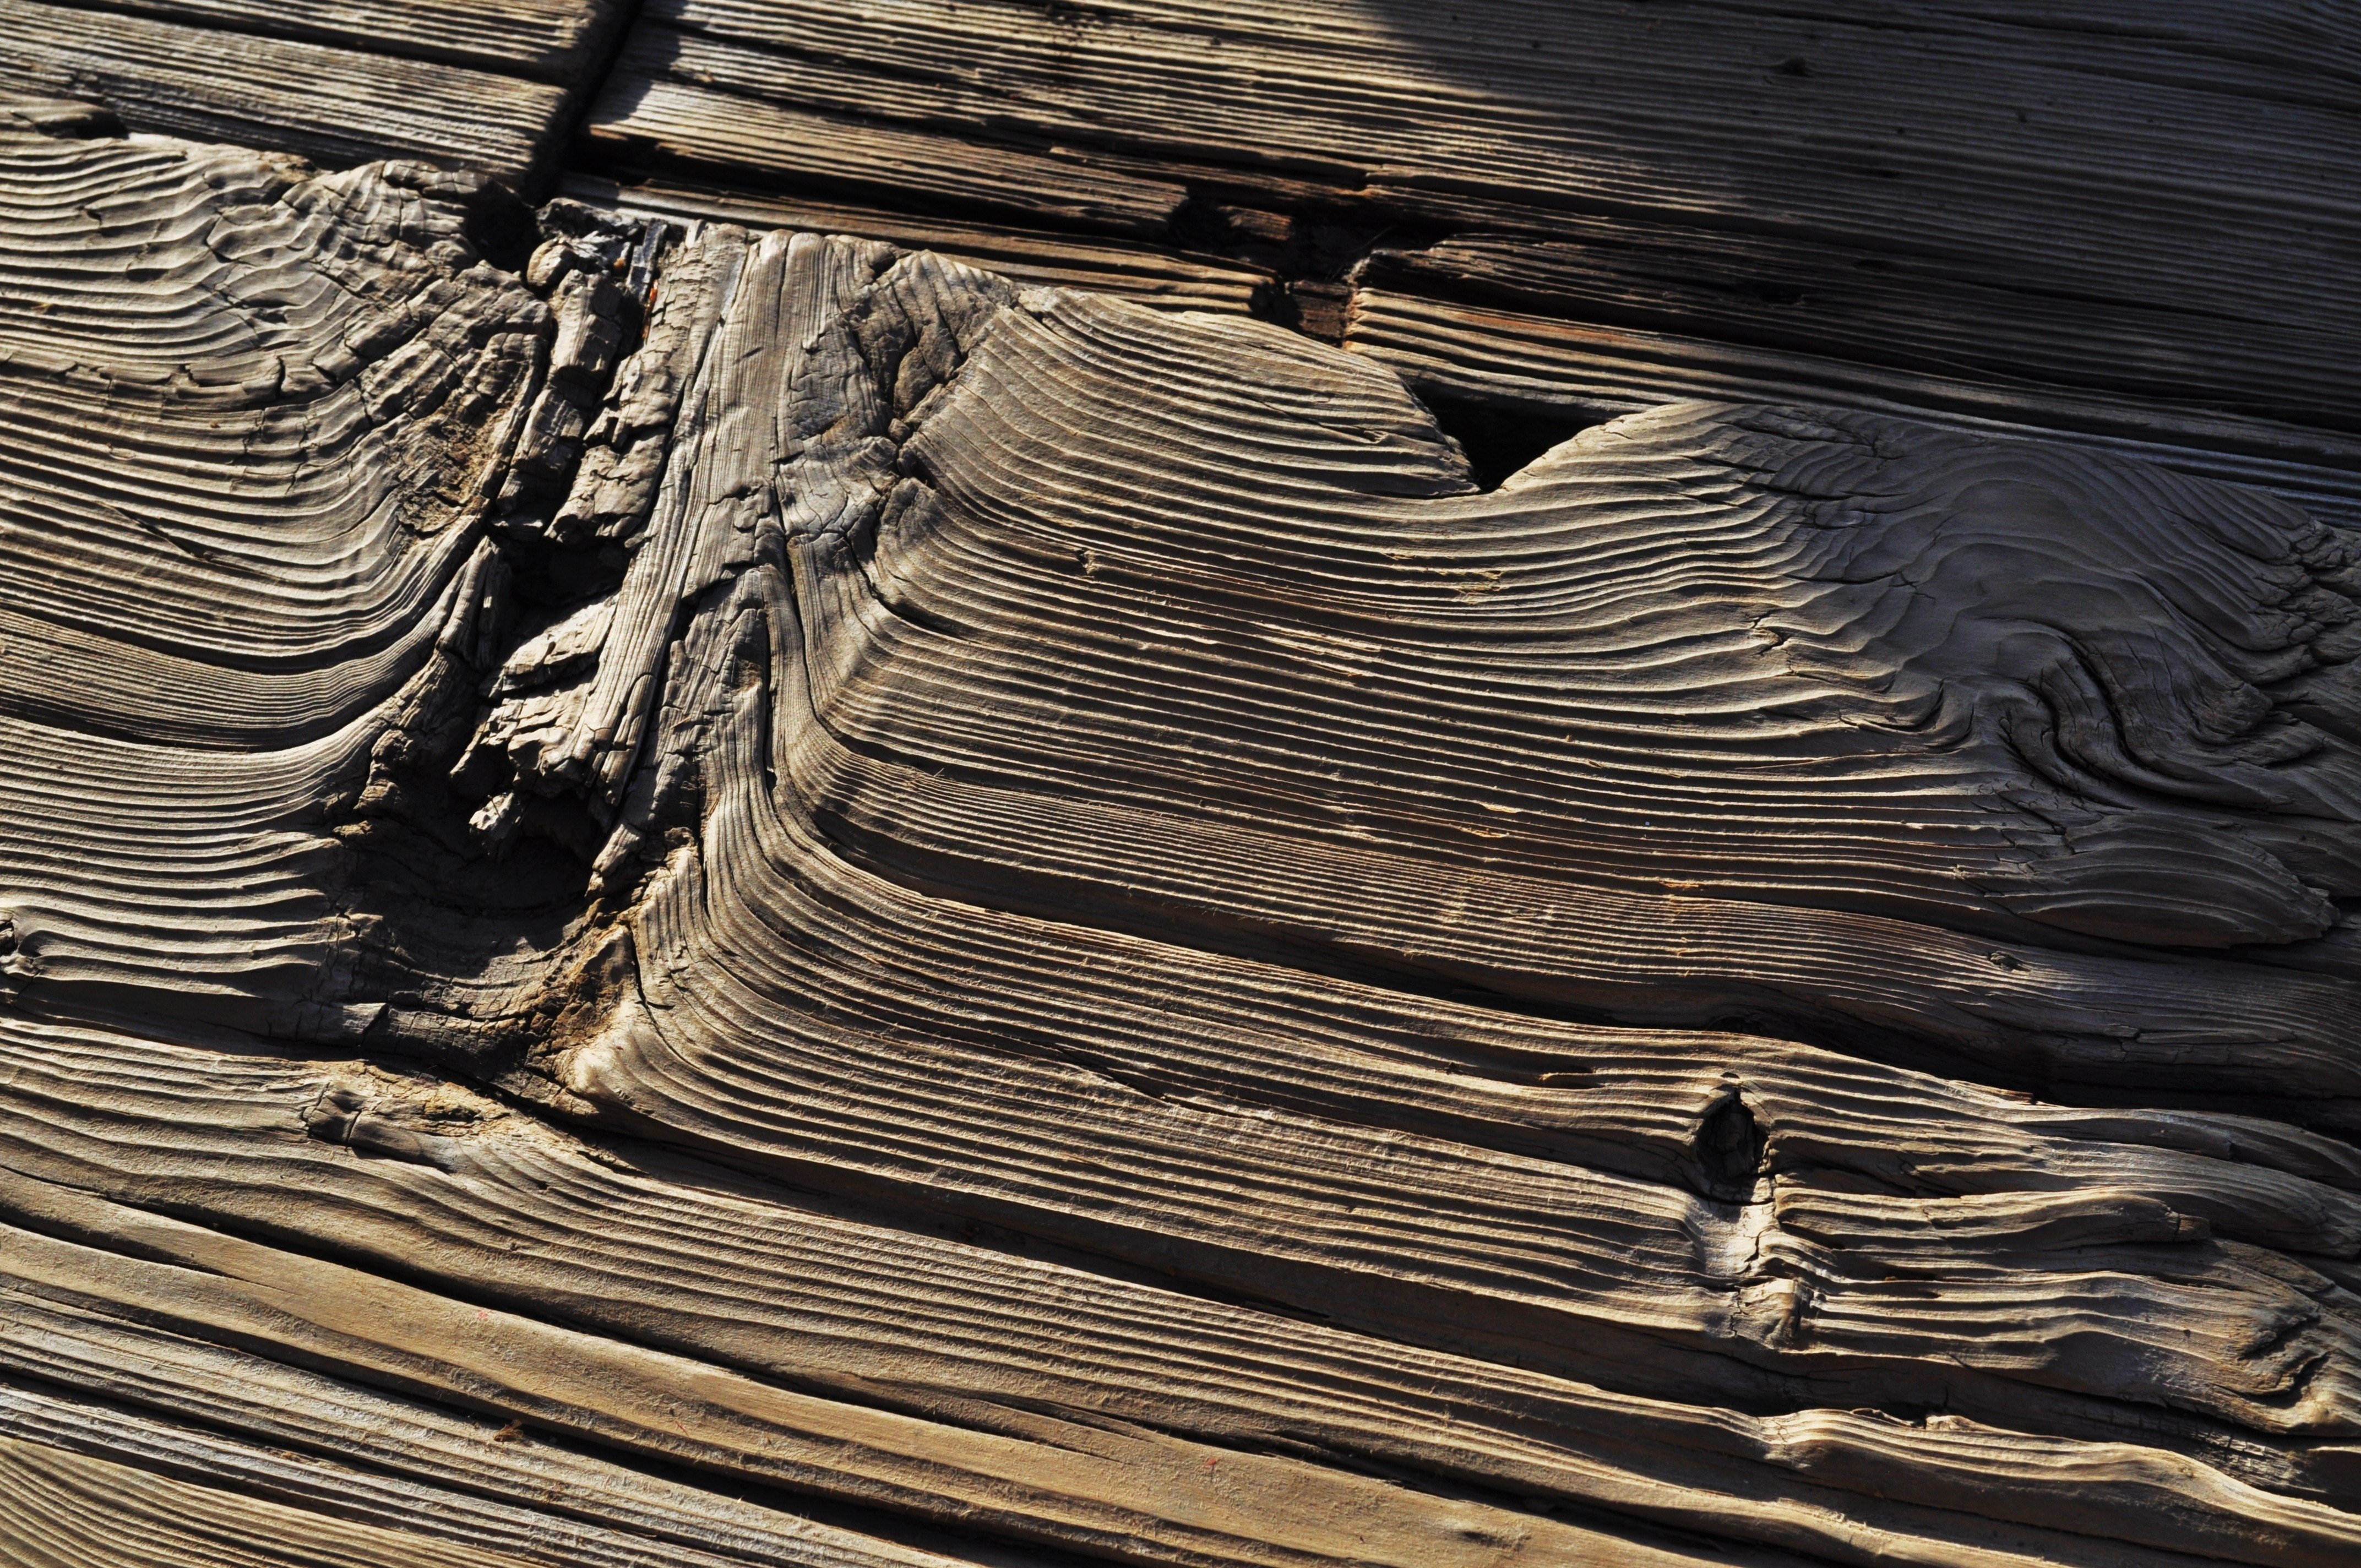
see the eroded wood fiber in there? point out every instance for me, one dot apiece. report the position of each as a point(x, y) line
point(493, 89)
point(674, 892)
point(2155, 202)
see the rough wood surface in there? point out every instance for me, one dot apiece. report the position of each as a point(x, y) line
point(1932, 316)
point(676, 890)
point(560, 41)
point(2158, 201)
point(1538, 365)
point(1156, 275)
point(337, 102)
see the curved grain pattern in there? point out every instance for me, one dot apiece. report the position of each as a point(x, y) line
point(736, 866)
point(1733, 684)
point(734, 1042)
point(254, 414)
point(1495, 356)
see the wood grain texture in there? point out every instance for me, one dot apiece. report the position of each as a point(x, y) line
point(271, 1431)
point(558, 41)
point(64, 1508)
point(677, 120)
point(986, 570)
point(331, 103)
point(1931, 316)
point(1134, 1495)
point(1531, 363)
point(2158, 204)
point(1153, 275)
point(488, 1207)
point(281, 429)
point(672, 892)
point(723, 1040)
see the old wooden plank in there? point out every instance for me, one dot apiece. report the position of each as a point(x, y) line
point(492, 1209)
point(1929, 316)
point(556, 41)
point(1130, 1495)
point(1013, 591)
point(337, 105)
point(1153, 275)
point(1511, 360)
point(2185, 178)
point(1031, 771)
point(648, 115)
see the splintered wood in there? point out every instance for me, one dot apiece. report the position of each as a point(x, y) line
point(673, 893)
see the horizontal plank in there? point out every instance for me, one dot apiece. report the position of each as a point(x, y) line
point(635, 1245)
point(646, 118)
point(558, 41)
point(1153, 275)
point(436, 1477)
point(1537, 363)
point(1928, 315)
point(1133, 1497)
point(335, 106)
point(2180, 178)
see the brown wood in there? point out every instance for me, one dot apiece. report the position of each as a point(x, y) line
point(2162, 203)
point(338, 85)
point(1178, 784)
point(560, 41)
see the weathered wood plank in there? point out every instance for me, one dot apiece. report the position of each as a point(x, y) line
point(558, 41)
point(2179, 187)
point(1929, 316)
point(337, 105)
point(985, 572)
point(1153, 275)
point(450, 1188)
point(1109, 857)
point(1538, 364)
point(1132, 1496)
point(724, 1048)
point(364, 1456)
point(648, 114)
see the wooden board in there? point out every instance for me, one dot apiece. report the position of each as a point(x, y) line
point(330, 102)
point(1486, 362)
point(1987, 190)
point(559, 41)
point(1926, 318)
point(683, 892)
point(1153, 275)
point(1178, 783)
